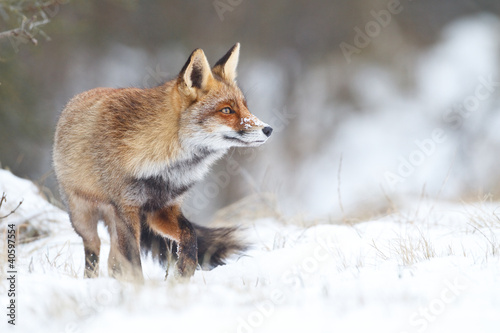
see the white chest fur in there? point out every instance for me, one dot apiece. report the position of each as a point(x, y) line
point(160, 185)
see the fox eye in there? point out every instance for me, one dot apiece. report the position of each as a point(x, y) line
point(227, 110)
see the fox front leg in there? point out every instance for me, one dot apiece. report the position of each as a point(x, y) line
point(171, 223)
point(187, 249)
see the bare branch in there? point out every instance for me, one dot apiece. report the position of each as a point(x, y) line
point(19, 32)
point(4, 199)
point(40, 12)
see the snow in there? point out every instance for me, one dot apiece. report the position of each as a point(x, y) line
point(250, 122)
point(427, 267)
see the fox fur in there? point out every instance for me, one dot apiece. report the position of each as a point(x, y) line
point(128, 157)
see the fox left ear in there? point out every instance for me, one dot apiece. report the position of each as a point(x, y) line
point(226, 66)
point(196, 72)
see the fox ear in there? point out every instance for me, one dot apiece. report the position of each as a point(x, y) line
point(196, 72)
point(226, 66)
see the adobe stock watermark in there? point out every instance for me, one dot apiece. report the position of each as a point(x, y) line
point(423, 317)
point(407, 165)
point(292, 278)
point(372, 29)
point(223, 6)
point(154, 77)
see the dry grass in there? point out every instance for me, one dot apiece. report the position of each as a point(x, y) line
point(412, 250)
point(485, 221)
point(61, 261)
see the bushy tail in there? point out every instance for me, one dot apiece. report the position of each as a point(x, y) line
point(215, 245)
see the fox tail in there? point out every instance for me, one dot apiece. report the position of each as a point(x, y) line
point(215, 245)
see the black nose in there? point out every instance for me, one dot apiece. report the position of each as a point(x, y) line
point(267, 130)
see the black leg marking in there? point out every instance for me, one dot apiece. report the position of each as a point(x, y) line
point(91, 264)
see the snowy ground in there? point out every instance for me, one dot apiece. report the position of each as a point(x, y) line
point(429, 267)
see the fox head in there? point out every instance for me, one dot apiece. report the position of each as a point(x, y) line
point(217, 115)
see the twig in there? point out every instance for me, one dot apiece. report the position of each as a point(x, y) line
point(4, 199)
point(27, 24)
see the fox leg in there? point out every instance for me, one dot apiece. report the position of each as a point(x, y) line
point(188, 248)
point(111, 218)
point(124, 260)
point(171, 223)
point(84, 217)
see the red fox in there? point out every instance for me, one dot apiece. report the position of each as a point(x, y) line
point(128, 156)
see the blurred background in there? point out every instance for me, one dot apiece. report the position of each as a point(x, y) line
point(372, 101)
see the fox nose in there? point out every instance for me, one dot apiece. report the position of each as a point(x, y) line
point(267, 130)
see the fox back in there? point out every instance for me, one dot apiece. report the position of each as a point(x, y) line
point(128, 157)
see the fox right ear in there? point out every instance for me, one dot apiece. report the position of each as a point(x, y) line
point(196, 72)
point(226, 66)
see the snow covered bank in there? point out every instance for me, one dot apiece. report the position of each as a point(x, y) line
point(431, 267)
